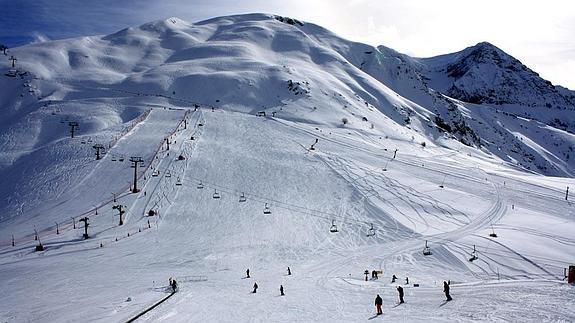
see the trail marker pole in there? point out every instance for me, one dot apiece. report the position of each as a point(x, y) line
point(135, 161)
point(13, 241)
point(57, 228)
point(74, 222)
point(567, 193)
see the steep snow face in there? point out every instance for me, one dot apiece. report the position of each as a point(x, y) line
point(485, 74)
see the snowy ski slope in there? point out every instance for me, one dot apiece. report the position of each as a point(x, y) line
point(199, 87)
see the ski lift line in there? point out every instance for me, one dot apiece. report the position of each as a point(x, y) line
point(296, 208)
point(122, 192)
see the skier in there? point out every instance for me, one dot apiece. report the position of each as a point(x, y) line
point(446, 291)
point(289, 272)
point(400, 291)
point(282, 290)
point(407, 280)
point(255, 288)
point(174, 285)
point(393, 278)
point(248, 273)
point(378, 303)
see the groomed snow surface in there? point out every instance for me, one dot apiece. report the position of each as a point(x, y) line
point(360, 175)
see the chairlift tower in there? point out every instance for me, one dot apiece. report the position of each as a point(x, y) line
point(86, 224)
point(135, 162)
point(121, 211)
point(73, 127)
point(98, 147)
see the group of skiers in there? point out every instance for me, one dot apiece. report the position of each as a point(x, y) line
point(379, 300)
point(255, 287)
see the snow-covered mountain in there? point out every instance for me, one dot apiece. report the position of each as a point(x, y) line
point(442, 149)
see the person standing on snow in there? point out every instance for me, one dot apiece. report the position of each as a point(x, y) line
point(393, 278)
point(446, 291)
point(282, 290)
point(248, 273)
point(378, 304)
point(255, 288)
point(289, 272)
point(400, 291)
point(174, 285)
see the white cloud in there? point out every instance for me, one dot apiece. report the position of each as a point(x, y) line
point(39, 37)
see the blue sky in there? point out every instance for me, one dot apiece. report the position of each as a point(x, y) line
point(539, 33)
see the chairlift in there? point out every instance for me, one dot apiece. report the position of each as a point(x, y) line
point(114, 158)
point(493, 234)
point(267, 209)
point(216, 195)
point(243, 198)
point(333, 227)
point(179, 182)
point(473, 255)
point(371, 231)
point(155, 173)
point(83, 141)
point(200, 185)
point(121, 158)
point(168, 174)
point(426, 250)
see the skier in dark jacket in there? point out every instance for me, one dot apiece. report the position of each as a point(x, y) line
point(282, 290)
point(378, 303)
point(400, 291)
point(255, 288)
point(174, 285)
point(248, 273)
point(446, 291)
point(289, 272)
point(393, 278)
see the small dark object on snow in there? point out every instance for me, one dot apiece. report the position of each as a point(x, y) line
point(248, 273)
point(255, 288)
point(282, 290)
point(400, 291)
point(446, 291)
point(393, 278)
point(378, 303)
point(151, 212)
point(181, 157)
point(174, 285)
point(289, 272)
point(407, 280)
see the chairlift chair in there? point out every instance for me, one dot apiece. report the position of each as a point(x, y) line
point(121, 158)
point(267, 209)
point(333, 227)
point(168, 174)
point(200, 185)
point(371, 231)
point(493, 234)
point(243, 198)
point(216, 194)
point(473, 255)
point(114, 158)
point(155, 173)
point(179, 182)
point(426, 250)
